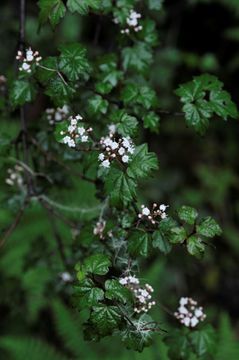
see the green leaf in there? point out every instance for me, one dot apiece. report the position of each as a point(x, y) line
point(21, 92)
point(149, 33)
point(73, 62)
point(87, 294)
point(208, 227)
point(120, 187)
point(179, 345)
point(97, 264)
point(195, 246)
point(127, 125)
point(204, 341)
point(130, 93)
point(143, 163)
point(151, 121)
point(138, 243)
point(59, 91)
point(136, 94)
point(52, 10)
point(161, 242)
point(137, 57)
point(116, 291)
point(98, 105)
point(187, 214)
point(178, 235)
point(134, 337)
point(105, 318)
point(83, 6)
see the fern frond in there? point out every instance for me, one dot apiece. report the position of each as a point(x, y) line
point(29, 348)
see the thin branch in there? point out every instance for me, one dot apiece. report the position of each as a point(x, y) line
point(54, 70)
point(59, 242)
point(170, 113)
point(13, 226)
point(55, 213)
point(50, 156)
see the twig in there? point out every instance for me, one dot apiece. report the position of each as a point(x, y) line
point(170, 113)
point(58, 215)
point(59, 242)
point(14, 224)
point(54, 70)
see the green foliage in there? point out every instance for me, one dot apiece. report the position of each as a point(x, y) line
point(204, 98)
point(73, 62)
point(80, 207)
point(22, 91)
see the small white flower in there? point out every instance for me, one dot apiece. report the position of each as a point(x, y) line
point(84, 138)
point(25, 66)
point(81, 130)
point(121, 151)
point(105, 163)
point(79, 117)
point(71, 128)
point(125, 158)
point(198, 313)
point(163, 216)
point(66, 277)
point(101, 156)
point(145, 211)
point(186, 321)
point(194, 321)
point(74, 122)
point(163, 207)
point(114, 145)
point(66, 139)
point(183, 310)
point(183, 301)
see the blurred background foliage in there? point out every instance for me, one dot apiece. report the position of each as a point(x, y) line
point(196, 36)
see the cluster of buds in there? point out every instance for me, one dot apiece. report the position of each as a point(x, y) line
point(58, 114)
point(31, 58)
point(154, 213)
point(99, 228)
point(132, 22)
point(75, 133)
point(15, 176)
point(142, 294)
point(189, 314)
point(120, 149)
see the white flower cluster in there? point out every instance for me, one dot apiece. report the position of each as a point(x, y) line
point(120, 149)
point(132, 22)
point(142, 294)
point(154, 213)
point(99, 228)
point(15, 176)
point(75, 132)
point(189, 314)
point(31, 58)
point(58, 114)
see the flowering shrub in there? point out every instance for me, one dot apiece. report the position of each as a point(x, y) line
point(98, 106)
